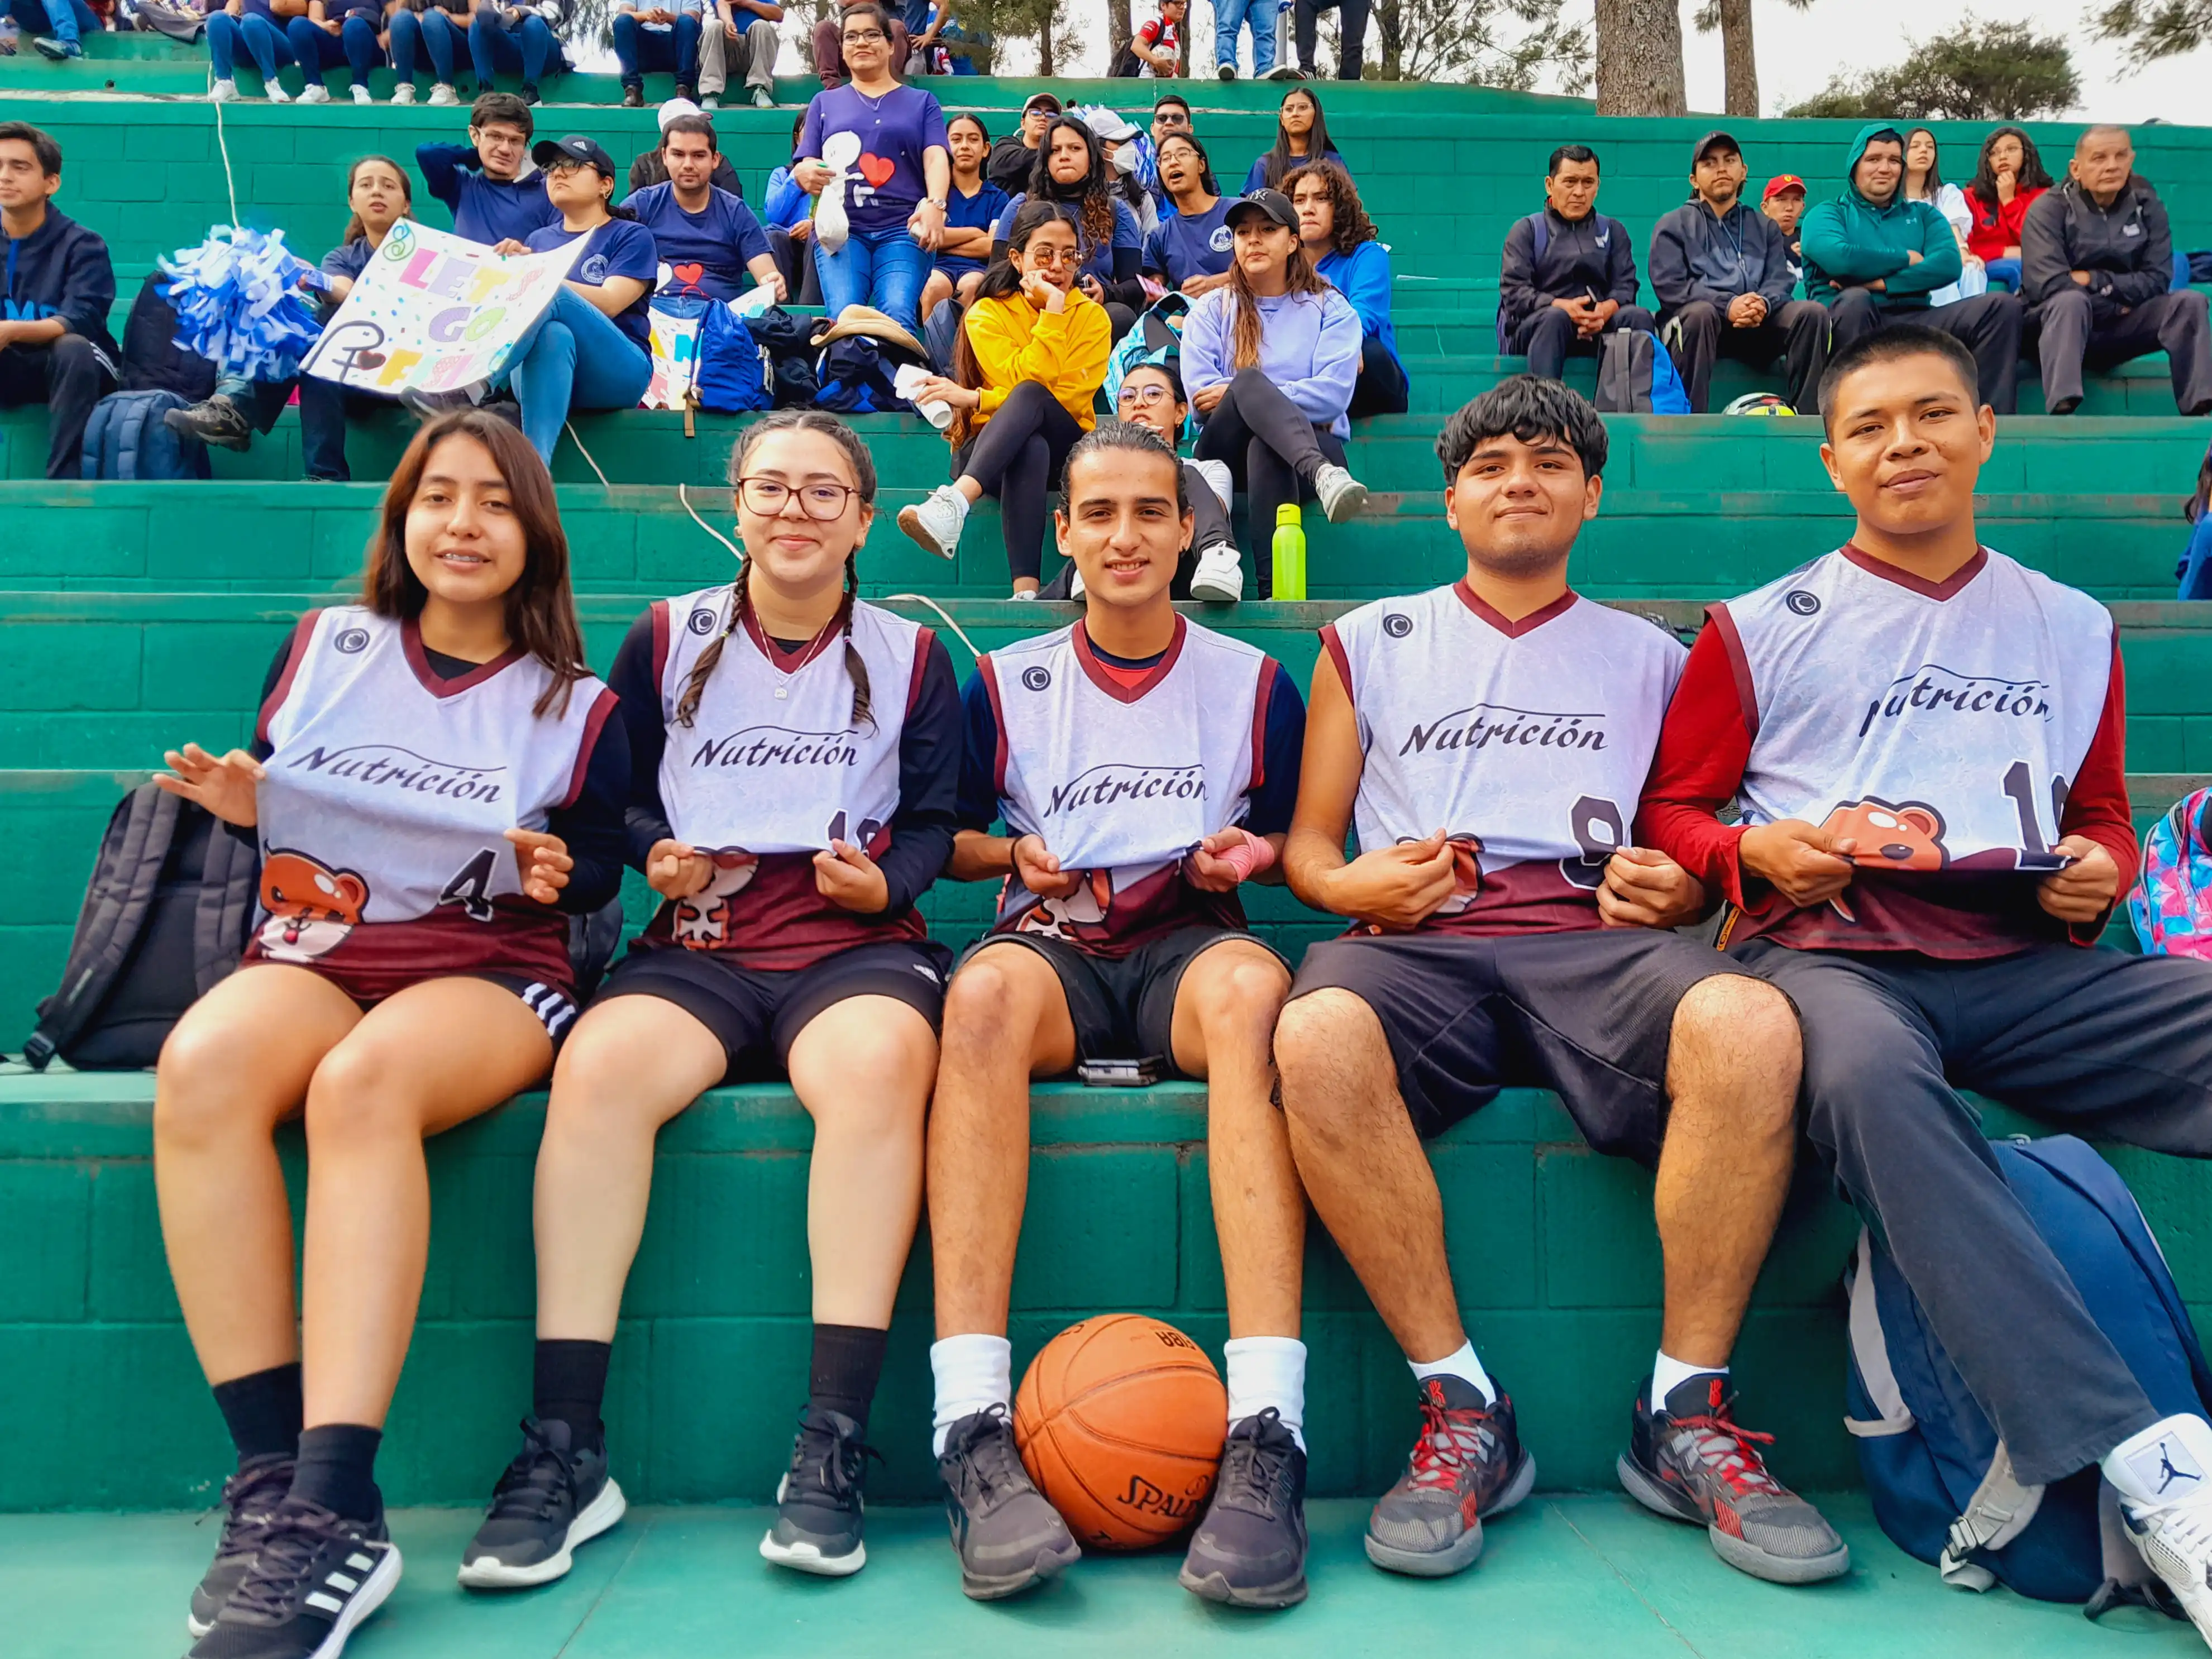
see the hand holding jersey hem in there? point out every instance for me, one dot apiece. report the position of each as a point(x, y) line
point(544, 863)
point(224, 786)
point(1228, 858)
point(1037, 868)
point(2081, 893)
point(848, 878)
point(1644, 889)
point(1805, 864)
point(676, 871)
point(1396, 888)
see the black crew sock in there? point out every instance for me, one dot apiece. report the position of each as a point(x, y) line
point(847, 1360)
point(261, 1410)
point(570, 1386)
point(337, 1469)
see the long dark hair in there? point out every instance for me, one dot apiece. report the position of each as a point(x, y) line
point(358, 231)
point(1279, 161)
point(1002, 281)
point(1091, 196)
point(540, 611)
point(864, 476)
point(1299, 277)
point(2033, 175)
point(1206, 181)
point(1349, 223)
point(1934, 181)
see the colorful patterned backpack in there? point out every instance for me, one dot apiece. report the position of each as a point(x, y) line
point(2172, 904)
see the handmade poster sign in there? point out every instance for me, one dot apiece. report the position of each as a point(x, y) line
point(433, 313)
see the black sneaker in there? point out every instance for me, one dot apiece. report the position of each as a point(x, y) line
point(1007, 1535)
point(316, 1577)
point(819, 1501)
point(553, 1497)
point(1689, 1462)
point(530, 93)
point(633, 97)
point(1467, 1465)
point(1250, 1549)
point(250, 1496)
point(217, 421)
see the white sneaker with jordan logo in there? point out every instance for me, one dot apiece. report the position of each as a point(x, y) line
point(2164, 1478)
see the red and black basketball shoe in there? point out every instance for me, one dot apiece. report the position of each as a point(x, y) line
point(1467, 1465)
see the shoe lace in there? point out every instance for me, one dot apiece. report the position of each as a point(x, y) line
point(1453, 1440)
point(1729, 1450)
point(533, 1485)
point(295, 1536)
point(986, 1448)
point(248, 1498)
point(825, 1456)
point(1256, 1465)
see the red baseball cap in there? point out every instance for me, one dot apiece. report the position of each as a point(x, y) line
point(1780, 182)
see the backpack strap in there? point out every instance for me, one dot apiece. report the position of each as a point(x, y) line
point(116, 898)
point(230, 889)
point(1870, 1354)
point(1998, 1512)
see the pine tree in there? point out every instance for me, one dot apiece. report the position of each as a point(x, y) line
point(1979, 72)
point(1639, 58)
point(1733, 19)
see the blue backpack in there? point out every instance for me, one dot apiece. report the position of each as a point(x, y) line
point(1539, 227)
point(1941, 1481)
point(729, 377)
point(126, 438)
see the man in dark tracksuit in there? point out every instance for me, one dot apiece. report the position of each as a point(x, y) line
point(2097, 268)
point(55, 348)
point(1582, 286)
point(1724, 280)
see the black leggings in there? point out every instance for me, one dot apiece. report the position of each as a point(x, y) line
point(1016, 457)
point(1272, 450)
point(1381, 388)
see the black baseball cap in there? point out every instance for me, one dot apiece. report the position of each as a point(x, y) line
point(576, 149)
point(1272, 203)
point(1717, 139)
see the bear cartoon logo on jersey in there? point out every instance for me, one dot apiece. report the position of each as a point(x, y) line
point(702, 920)
point(1890, 837)
point(312, 908)
point(1080, 914)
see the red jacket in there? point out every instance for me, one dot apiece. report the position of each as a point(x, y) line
point(1996, 227)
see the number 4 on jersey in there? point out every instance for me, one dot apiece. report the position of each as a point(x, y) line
point(470, 886)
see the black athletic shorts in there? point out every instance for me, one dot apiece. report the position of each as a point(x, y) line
point(757, 1014)
point(556, 1009)
point(1587, 1013)
point(1123, 1007)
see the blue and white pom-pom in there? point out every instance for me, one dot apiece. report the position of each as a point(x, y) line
point(239, 303)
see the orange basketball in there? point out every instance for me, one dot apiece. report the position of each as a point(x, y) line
point(1120, 1421)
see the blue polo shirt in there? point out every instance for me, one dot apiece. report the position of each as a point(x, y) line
point(707, 252)
point(1184, 247)
point(616, 248)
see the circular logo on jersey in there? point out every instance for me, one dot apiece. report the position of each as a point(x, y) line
point(1223, 239)
point(703, 621)
point(1397, 624)
point(1804, 603)
point(1037, 678)
point(352, 641)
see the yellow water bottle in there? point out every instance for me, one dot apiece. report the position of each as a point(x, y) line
point(1290, 552)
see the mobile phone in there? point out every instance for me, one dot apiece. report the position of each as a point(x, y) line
point(1122, 1073)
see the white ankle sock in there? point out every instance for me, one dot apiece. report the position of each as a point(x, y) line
point(1264, 1371)
point(1463, 1365)
point(1669, 1372)
point(2171, 1459)
point(974, 1373)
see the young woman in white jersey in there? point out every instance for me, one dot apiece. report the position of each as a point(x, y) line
point(796, 758)
point(435, 779)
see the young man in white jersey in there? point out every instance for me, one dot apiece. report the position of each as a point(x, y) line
point(1488, 741)
point(1143, 767)
point(1926, 742)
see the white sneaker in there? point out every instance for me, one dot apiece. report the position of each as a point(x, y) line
point(763, 99)
point(1217, 473)
point(275, 92)
point(1219, 578)
point(1226, 71)
point(710, 100)
point(1026, 594)
point(1341, 494)
point(222, 92)
point(1286, 72)
point(362, 95)
point(404, 93)
point(934, 522)
point(443, 93)
point(2173, 1534)
point(316, 93)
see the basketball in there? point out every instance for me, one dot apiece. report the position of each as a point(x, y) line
point(1120, 1420)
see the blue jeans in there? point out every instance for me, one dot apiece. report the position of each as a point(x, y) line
point(2004, 274)
point(638, 49)
point(435, 31)
point(264, 41)
point(64, 20)
point(1259, 16)
point(529, 47)
point(317, 49)
point(575, 358)
point(885, 268)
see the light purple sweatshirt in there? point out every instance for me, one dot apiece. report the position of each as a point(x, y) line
point(1309, 347)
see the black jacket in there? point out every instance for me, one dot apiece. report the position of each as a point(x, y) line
point(1698, 256)
point(1589, 255)
point(1009, 164)
point(2126, 248)
point(60, 270)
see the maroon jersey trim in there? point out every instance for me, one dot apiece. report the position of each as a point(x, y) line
point(789, 662)
point(1096, 671)
point(1905, 578)
point(1263, 695)
point(411, 634)
point(1504, 625)
point(989, 671)
point(1332, 642)
point(924, 640)
point(300, 634)
point(603, 706)
point(658, 611)
point(1747, 695)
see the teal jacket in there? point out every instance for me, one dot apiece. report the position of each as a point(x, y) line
point(1850, 241)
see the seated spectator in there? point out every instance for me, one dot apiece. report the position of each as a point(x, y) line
point(2008, 178)
point(1301, 134)
point(830, 62)
point(1231, 17)
point(1785, 204)
point(1271, 362)
point(1118, 138)
point(1923, 182)
point(2196, 568)
point(787, 217)
point(647, 36)
point(740, 38)
point(709, 240)
point(1582, 287)
point(1192, 249)
point(494, 194)
point(55, 26)
point(1873, 258)
point(592, 348)
point(334, 32)
point(1031, 358)
point(379, 197)
point(1170, 114)
point(895, 198)
point(2097, 269)
point(1351, 37)
point(522, 39)
point(1724, 281)
point(438, 28)
point(650, 166)
point(55, 348)
point(973, 205)
point(1339, 239)
point(250, 24)
point(1071, 170)
point(1013, 158)
point(1158, 44)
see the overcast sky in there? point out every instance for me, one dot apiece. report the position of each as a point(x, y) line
point(1798, 50)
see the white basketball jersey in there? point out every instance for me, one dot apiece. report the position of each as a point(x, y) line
point(1940, 725)
point(388, 789)
point(1528, 742)
point(1122, 778)
point(772, 760)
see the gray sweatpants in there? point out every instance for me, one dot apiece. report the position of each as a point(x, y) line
point(753, 55)
point(2174, 323)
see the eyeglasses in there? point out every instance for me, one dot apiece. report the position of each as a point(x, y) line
point(1144, 397)
point(867, 38)
point(1055, 256)
point(822, 502)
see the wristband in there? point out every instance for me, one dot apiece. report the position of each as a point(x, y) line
point(1250, 857)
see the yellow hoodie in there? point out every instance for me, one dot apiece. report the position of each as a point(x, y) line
point(1067, 350)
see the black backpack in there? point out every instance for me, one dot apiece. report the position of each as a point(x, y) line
point(167, 915)
point(151, 360)
point(788, 340)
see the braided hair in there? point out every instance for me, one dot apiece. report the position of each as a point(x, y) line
point(864, 476)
